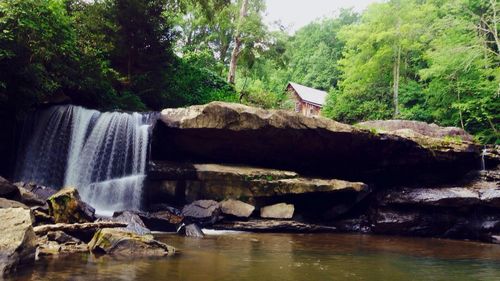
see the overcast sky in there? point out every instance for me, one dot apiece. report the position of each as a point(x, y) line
point(297, 13)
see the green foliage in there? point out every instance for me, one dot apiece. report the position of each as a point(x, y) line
point(435, 61)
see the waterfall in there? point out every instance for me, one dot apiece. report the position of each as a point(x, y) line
point(483, 163)
point(103, 155)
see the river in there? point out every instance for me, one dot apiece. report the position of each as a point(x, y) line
point(250, 256)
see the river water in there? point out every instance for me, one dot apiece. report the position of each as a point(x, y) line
point(260, 257)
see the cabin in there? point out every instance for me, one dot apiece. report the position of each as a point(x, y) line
point(308, 101)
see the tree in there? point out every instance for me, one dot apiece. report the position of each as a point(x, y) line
point(382, 56)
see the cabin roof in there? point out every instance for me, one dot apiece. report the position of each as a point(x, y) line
point(310, 95)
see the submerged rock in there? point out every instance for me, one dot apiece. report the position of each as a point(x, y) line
point(17, 239)
point(286, 140)
point(66, 207)
point(278, 211)
point(127, 244)
point(236, 208)
point(191, 230)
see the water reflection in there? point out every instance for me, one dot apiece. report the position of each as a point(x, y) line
point(289, 257)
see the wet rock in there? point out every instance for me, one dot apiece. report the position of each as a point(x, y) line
point(8, 190)
point(58, 242)
point(286, 140)
point(133, 221)
point(17, 239)
point(127, 244)
point(272, 226)
point(191, 230)
point(66, 207)
point(236, 208)
point(278, 211)
point(203, 211)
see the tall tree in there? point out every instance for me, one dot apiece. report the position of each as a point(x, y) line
point(237, 43)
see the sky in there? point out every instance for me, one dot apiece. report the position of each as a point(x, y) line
point(297, 13)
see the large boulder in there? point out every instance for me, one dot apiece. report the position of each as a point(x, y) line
point(232, 133)
point(17, 239)
point(122, 243)
point(167, 220)
point(202, 211)
point(278, 211)
point(133, 221)
point(236, 208)
point(66, 207)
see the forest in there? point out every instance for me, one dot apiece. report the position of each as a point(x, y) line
point(430, 60)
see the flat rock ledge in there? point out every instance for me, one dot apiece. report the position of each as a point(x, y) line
point(220, 182)
point(233, 133)
point(273, 226)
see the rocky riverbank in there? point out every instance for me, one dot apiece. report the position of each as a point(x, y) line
point(232, 167)
point(388, 177)
point(39, 221)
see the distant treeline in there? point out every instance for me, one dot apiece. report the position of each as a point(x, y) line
point(435, 60)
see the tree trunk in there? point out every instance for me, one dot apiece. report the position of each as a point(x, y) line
point(397, 66)
point(237, 44)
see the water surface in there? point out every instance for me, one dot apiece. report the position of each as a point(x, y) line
point(248, 256)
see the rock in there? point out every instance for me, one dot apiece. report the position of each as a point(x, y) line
point(272, 226)
point(33, 194)
point(203, 211)
point(58, 242)
point(8, 190)
point(220, 182)
point(133, 221)
point(42, 215)
point(236, 208)
point(6, 203)
point(422, 128)
point(17, 239)
point(77, 227)
point(127, 244)
point(66, 207)
point(278, 211)
point(491, 156)
point(166, 220)
point(487, 194)
point(288, 141)
point(191, 230)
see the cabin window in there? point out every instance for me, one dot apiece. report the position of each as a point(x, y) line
point(297, 107)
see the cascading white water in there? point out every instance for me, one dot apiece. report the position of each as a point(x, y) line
point(103, 155)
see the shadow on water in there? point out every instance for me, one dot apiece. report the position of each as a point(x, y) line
point(247, 256)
